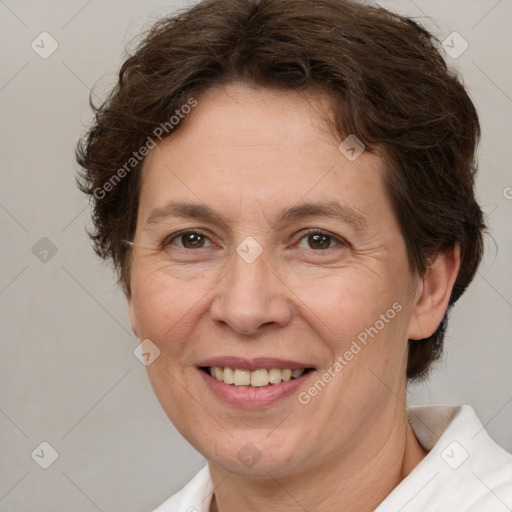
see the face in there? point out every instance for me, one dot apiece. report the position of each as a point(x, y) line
point(261, 248)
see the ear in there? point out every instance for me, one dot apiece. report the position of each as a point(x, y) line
point(131, 313)
point(433, 294)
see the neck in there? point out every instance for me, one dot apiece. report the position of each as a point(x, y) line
point(359, 480)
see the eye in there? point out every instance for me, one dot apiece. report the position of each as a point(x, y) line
point(318, 240)
point(189, 240)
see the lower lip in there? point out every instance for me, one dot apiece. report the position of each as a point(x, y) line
point(253, 397)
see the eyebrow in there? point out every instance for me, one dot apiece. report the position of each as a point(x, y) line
point(300, 211)
point(331, 209)
point(186, 210)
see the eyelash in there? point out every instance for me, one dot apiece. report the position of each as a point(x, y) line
point(168, 240)
point(338, 240)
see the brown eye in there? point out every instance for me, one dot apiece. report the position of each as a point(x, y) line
point(192, 240)
point(319, 241)
point(189, 240)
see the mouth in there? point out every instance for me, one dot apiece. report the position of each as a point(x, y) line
point(261, 377)
point(253, 384)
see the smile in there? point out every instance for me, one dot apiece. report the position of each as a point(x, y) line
point(253, 383)
point(257, 378)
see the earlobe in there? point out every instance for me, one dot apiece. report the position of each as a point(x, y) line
point(434, 293)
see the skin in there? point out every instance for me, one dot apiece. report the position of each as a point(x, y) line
point(250, 154)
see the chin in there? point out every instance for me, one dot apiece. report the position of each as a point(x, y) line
point(249, 454)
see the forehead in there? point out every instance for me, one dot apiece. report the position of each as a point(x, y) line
point(244, 146)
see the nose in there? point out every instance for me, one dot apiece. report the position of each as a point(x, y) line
point(251, 298)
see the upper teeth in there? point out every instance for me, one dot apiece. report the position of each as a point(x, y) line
point(256, 378)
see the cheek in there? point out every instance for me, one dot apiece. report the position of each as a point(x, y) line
point(358, 314)
point(341, 303)
point(165, 309)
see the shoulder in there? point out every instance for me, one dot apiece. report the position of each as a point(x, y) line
point(464, 471)
point(194, 497)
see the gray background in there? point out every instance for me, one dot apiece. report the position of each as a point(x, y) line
point(68, 373)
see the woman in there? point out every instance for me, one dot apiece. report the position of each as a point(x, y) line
point(286, 190)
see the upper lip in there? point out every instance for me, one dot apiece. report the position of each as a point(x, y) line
point(253, 364)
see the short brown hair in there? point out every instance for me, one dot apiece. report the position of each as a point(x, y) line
point(390, 87)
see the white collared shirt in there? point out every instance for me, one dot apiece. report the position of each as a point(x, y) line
point(464, 471)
